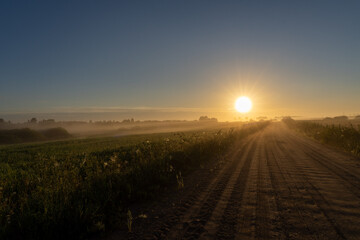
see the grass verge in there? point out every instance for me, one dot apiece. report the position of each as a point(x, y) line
point(344, 137)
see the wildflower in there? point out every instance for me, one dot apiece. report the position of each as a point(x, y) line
point(142, 216)
point(113, 158)
point(129, 220)
point(100, 226)
point(83, 162)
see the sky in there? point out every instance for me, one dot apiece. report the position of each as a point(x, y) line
point(182, 59)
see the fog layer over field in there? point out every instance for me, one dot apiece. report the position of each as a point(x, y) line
point(117, 128)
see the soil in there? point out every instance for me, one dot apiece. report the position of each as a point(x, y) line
point(275, 184)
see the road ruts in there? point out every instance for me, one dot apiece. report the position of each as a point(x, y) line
point(226, 227)
point(200, 219)
point(350, 176)
point(230, 197)
point(274, 185)
point(182, 217)
point(333, 186)
point(305, 201)
point(266, 211)
point(288, 209)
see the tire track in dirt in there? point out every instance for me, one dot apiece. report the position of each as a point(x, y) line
point(262, 224)
point(243, 218)
point(194, 220)
point(236, 187)
point(351, 181)
point(167, 217)
point(339, 205)
point(274, 185)
point(310, 201)
point(297, 201)
point(251, 210)
point(226, 226)
point(287, 209)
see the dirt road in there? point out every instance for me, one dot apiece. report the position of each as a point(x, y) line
point(274, 185)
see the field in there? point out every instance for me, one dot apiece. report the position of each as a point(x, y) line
point(275, 184)
point(79, 187)
point(279, 180)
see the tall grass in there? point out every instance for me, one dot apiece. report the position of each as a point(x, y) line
point(75, 188)
point(340, 136)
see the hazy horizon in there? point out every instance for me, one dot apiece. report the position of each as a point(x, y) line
point(144, 114)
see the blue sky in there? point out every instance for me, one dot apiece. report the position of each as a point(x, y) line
point(290, 57)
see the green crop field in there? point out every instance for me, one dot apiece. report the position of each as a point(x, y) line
point(79, 187)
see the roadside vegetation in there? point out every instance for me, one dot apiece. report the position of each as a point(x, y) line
point(345, 137)
point(76, 188)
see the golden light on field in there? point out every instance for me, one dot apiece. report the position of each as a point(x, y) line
point(243, 104)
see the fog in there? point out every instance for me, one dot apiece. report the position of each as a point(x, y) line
point(118, 128)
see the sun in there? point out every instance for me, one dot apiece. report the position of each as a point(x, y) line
point(243, 104)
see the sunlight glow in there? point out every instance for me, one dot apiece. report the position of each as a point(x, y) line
point(243, 104)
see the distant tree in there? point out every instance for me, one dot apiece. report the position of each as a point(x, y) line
point(341, 118)
point(33, 120)
point(2, 120)
point(206, 118)
point(288, 120)
point(48, 121)
point(132, 120)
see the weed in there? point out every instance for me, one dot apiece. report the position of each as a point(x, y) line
point(129, 220)
point(180, 181)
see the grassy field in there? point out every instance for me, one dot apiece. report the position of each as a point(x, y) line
point(75, 188)
point(344, 136)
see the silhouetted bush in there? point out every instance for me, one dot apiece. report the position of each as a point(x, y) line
point(56, 133)
point(289, 121)
point(206, 118)
point(341, 118)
